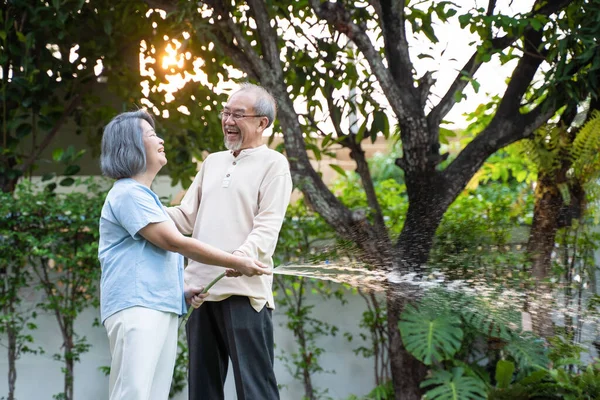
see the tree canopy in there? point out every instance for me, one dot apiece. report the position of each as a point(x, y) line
point(308, 52)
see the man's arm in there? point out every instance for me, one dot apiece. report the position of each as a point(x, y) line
point(184, 215)
point(273, 203)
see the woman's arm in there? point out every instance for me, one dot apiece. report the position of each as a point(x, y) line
point(167, 237)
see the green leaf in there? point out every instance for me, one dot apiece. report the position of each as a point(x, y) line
point(326, 140)
point(23, 130)
point(67, 182)
point(338, 169)
point(464, 20)
point(504, 373)
point(361, 131)
point(458, 96)
point(529, 353)
point(380, 124)
point(429, 32)
point(430, 338)
point(48, 176)
point(454, 385)
point(57, 154)
point(476, 85)
point(520, 176)
point(72, 170)
point(107, 27)
point(536, 24)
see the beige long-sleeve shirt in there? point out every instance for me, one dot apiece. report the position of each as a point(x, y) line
point(236, 203)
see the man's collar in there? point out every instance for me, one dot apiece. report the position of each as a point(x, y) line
point(250, 150)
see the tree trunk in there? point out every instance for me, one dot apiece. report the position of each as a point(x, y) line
point(69, 364)
point(413, 247)
point(12, 356)
point(546, 211)
point(306, 357)
point(407, 371)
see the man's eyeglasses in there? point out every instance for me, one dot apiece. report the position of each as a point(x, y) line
point(224, 115)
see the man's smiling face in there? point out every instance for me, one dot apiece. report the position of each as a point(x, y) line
point(245, 132)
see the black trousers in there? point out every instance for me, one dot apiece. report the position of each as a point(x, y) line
point(231, 329)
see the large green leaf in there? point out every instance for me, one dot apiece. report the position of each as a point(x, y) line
point(504, 373)
point(529, 353)
point(454, 385)
point(430, 337)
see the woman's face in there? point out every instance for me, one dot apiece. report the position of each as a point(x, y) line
point(155, 150)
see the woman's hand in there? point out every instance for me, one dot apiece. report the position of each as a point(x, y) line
point(249, 267)
point(193, 295)
point(232, 273)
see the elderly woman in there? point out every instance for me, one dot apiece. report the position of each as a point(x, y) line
point(142, 290)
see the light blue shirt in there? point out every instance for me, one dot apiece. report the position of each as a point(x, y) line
point(134, 271)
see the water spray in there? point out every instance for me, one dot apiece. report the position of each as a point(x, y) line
point(378, 280)
point(344, 274)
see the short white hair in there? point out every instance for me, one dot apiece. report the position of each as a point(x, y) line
point(264, 104)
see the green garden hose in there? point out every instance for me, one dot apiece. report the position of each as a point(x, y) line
point(206, 289)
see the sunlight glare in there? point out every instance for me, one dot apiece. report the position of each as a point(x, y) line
point(99, 67)
point(184, 110)
point(73, 56)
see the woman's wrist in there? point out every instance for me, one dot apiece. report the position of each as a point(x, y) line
point(239, 259)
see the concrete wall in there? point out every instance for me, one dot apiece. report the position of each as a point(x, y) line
point(39, 376)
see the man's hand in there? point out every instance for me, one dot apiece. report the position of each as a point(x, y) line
point(193, 296)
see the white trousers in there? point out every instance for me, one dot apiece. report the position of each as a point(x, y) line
point(143, 347)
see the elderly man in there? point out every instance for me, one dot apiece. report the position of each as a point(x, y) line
point(237, 203)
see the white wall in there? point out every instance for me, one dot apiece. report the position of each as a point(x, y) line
point(39, 376)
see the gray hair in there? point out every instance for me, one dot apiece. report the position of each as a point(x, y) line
point(123, 152)
point(265, 102)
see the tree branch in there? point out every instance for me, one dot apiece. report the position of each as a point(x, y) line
point(267, 35)
point(236, 55)
point(347, 224)
point(244, 47)
point(337, 16)
point(377, 6)
point(522, 76)
point(335, 120)
point(258, 65)
point(310, 118)
point(501, 132)
point(362, 168)
point(396, 45)
point(437, 114)
point(491, 7)
point(508, 124)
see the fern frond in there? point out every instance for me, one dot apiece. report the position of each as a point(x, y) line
point(528, 352)
point(584, 152)
point(547, 148)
